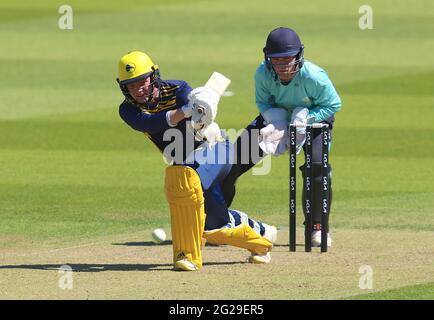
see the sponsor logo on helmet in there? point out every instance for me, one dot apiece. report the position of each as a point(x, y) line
point(130, 68)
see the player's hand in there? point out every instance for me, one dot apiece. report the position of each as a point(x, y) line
point(299, 117)
point(188, 110)
point(204, 105)
point(273, 139)
point(196, 91)
point(210, 134)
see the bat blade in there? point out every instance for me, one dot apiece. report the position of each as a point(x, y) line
point(218, 83)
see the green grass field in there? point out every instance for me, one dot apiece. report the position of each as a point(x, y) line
point(79, 187)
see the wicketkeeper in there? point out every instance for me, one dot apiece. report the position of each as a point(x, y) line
point(290, 90)
point(180, 122)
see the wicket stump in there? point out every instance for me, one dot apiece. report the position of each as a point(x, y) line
point(308, 185)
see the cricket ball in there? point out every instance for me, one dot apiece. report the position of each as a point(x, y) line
point(158, 235)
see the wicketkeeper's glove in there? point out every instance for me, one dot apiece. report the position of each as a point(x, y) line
point(273, 138)
point(300, 117)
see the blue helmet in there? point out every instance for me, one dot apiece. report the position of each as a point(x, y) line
point(284, 42)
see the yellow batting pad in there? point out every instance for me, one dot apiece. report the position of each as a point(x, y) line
point(242, 236)
point(185, 196)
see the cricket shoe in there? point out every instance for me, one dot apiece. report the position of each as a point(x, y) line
point(185, 265)
point(316, 239)
point(269, 234)
point(259, 258)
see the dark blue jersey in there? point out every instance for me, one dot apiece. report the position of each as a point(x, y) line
point(154, 123)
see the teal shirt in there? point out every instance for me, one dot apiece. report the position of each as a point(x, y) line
point(310, 88)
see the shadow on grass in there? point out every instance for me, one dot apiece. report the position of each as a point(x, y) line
point(107, 267)
point(143, 244)
point(151, 244)
point(169, 242)
point(287, 245)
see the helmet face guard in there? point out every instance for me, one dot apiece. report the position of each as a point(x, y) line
point(150, 103)
point(298, 61)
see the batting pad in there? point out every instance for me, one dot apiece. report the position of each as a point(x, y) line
point(242, 236)
point(187, 213)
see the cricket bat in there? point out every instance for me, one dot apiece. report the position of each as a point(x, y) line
point(218, 83)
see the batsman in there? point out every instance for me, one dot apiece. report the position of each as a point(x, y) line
point(180, 123)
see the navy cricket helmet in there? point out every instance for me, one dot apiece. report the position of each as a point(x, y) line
point(284, 42)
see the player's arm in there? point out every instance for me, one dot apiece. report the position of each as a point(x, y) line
point(199, 104)
point(273, 137)
point(173, 117)
point(263, 97)
point(325, 100)
point(143, 122)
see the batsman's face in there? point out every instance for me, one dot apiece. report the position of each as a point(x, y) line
point(285, 67)
point(143, 90)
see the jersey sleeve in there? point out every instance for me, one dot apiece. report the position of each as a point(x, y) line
point(263, 96)
point(182, 94)
point(325, 99)
point(143, 122)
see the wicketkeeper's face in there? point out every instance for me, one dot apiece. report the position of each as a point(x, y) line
point(143, 90)
point(285, 67)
